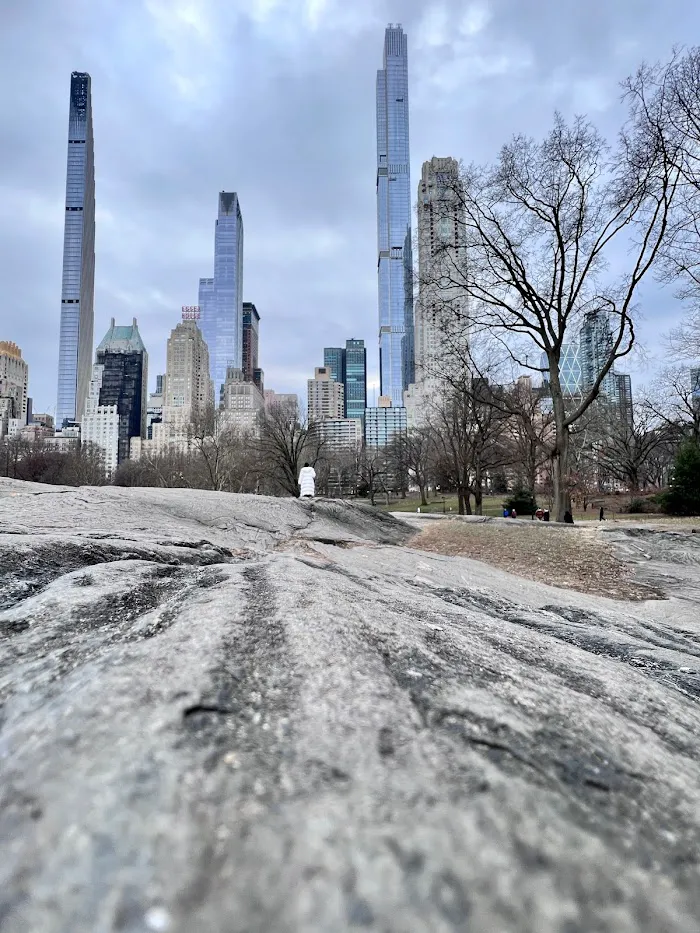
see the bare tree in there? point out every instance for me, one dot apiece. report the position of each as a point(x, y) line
point(529, 429)
point(469, 426)
point(674, 399)
point(539, 227)
point(626, 447)
point(420, 448)
point(373, 472)
point(39, 462)
point(287, 441)
point(209, 436)
point(665, 99)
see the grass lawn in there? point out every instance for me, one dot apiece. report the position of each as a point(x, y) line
point(493, 505)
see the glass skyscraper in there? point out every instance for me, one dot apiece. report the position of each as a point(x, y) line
point(221, 297)
point(77, 295)
point(334, 359)
point(355, 379)
point(395, 262)
point(596, 346)
point(349, 365)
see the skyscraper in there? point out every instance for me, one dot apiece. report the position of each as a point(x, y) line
point(325, 396)
point(221, 297)
point(570, 375)
point(14, 381)
point(77, 316)
point(334, 360)
point(355, 379)
point(187, 387)
point(394, 261)
point(251, 339)
point(623, 398)
point(441, 312)
point(596, 344)
point(383, 423)
point(115, 410)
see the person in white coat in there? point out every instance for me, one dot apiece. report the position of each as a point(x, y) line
point(307, 484)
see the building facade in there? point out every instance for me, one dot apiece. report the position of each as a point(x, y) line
point(325, 396)
point(394, 259)
point(221, 297)
point(595, 347)
point(340, 433)
point(243, 403)
point(77, 295)
point(383, 423)
point(187, 388)
point(334, 360)
point(348, 365)
point(14, 379)
point(623, 398)
point(100, 424)
point(251, 342)
point(283, 399)
point(355, 379)
point(64, 440)
point(441, 319)
point(118, 390)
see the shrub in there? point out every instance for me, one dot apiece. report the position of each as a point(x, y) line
point(523, 501)
point(683, 496)
point(639, 506)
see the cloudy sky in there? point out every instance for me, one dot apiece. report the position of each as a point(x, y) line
point(273, 99)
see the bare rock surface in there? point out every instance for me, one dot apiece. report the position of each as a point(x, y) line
point(232, 713)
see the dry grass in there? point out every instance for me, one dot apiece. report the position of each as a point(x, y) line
point(571, 558)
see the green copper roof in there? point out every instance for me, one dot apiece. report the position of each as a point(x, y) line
point(120, 339)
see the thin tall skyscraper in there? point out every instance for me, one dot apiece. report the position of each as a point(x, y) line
point(221, 297)
point(77, 296)
point(441, 321)
point(394, 219)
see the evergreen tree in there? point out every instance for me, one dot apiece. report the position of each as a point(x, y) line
point(683, 496)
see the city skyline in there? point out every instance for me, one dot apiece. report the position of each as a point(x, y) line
point(170, 139)
point(78, 286)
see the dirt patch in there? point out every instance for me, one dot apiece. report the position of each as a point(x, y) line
point(568, 558)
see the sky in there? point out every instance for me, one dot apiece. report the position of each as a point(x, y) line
point(275, 99)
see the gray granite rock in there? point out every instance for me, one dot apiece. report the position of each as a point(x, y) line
point(230, 713)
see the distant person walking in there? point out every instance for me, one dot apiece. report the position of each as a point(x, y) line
point(307, 481)
point(602, 514)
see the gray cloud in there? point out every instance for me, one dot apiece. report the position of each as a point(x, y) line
point(273, 99)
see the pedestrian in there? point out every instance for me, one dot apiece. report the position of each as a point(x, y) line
point(307, 482)
point(545, 517)
point(506, 513)
point(602, 514)
point(568, 518)
point(513, 513)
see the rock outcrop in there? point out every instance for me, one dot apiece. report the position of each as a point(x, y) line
point(229, 713)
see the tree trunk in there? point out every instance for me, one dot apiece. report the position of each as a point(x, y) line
point(423, 498)
point(478, 491)
point(560, 474)
point(460, 500)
